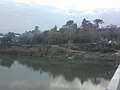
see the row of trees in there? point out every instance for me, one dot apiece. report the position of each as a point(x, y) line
point(86, 25)
point(68, 33)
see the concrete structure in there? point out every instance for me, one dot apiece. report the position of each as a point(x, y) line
point(115, 81)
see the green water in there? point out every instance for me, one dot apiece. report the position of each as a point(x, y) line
point(30, 73)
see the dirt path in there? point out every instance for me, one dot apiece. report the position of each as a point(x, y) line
point(70, 50)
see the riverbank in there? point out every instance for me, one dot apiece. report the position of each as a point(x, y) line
point(61, 52)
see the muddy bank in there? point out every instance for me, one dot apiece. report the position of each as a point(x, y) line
point(61, 52)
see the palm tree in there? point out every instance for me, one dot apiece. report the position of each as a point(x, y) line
point(97, 22)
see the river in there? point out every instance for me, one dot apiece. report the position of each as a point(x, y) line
point(31, 73)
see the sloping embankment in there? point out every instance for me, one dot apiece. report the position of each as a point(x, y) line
point(57, 51)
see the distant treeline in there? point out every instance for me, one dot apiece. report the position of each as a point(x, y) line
point(68, 33)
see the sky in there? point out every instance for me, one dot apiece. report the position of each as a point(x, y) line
point(22, 15)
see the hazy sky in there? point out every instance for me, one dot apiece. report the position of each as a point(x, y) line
point(23, 15)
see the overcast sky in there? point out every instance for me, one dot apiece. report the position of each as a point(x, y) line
point(22, 15)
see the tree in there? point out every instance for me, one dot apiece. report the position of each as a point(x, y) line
point(54, 28)
point(74, 26)
point(9, 36)
point(70, 36)
point(36, 28)
point(98, 21)
point(69, 23)
point(7, 40)
point(85, 24)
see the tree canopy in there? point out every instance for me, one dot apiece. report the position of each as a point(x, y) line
point(98, 21)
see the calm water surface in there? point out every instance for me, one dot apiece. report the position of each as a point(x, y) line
point(29, 73)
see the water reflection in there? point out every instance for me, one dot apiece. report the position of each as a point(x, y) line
point(7, 62)
point(28, 73)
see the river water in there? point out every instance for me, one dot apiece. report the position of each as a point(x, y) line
point(30, 73)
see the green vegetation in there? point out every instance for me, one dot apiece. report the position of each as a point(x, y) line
point(69, 33)
point(69, 41)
